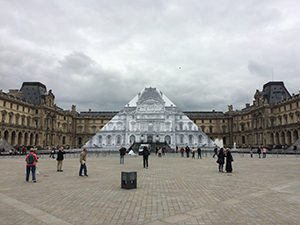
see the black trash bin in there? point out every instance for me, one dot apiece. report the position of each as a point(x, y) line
point(128, 180)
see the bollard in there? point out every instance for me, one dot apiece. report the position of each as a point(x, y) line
point(128, 180)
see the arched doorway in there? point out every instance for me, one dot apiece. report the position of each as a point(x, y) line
point(149, 138)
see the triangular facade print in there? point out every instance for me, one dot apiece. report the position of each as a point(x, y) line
point(150, 117)
point(4, 144)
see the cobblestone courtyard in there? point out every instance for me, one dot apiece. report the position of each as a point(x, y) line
point(173, 190)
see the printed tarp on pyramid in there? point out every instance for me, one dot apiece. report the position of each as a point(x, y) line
point(150, 117)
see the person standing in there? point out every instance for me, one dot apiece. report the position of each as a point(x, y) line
point(182, 151)
point(199, 152)
point(82, 161)
point(251, 152)
point(122, 155)
point(60, 158)
point(31, 160)
point(221, 160)
point(229, 161)
point(146, 154)
point(215, 151)
point(258, 152)
point(187, 150)
point(163, 150)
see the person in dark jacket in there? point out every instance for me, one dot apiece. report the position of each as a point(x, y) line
point(122, 154)
point(146, 154)
point(229, 160)
point(221, 159)
point(60, 158)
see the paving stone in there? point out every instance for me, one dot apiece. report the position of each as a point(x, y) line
point(174, 190)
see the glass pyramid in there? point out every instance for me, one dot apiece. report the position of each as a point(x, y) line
point(150, 117)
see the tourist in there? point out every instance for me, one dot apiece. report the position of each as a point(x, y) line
point(193, 152)
point(31, 160)
point(163, 150)
point(52, 153)
point(36, 168)
point(251, 152)
point(82, 161)
point(264, 152)
point(187, 150)
point(159, 153)
point(199, 152)
point(258, 152)
point(215, 151)
point(221, 160)
point(146, 154)
point(229, 160)
point(122, 154)
point(182, 151)
point(60, 158)
point(156, 150)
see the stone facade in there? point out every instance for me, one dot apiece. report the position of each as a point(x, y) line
point(29, 116)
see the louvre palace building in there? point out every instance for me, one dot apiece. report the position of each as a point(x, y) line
point(30, 117)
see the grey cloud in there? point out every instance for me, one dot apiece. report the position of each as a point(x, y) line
point(100, 54)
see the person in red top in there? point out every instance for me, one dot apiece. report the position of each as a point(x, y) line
point(31, 160)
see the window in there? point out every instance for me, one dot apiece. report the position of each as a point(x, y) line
point(11, 105)
point(4, 103)
point(209, 121)
point(36, 111)
point(94, 121)
point(210, 129)
point(17, 107)
point(64, 118)
point(64, 140)
point(202, 121)
point(80, 130)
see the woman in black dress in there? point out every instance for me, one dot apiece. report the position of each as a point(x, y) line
point(221, 160)
point(229, 160)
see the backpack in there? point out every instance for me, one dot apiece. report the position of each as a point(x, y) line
point(30, 159)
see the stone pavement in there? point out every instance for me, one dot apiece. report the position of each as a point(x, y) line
point(173, 190)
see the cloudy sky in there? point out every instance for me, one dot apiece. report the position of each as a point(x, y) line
point(99, 54)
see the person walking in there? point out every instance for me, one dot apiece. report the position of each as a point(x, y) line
point(31, 160)
point(199, 152)
point(229, 160)
point(221, 160)
point(193, 152)
point(159, 153)
point(60, 158)
point(215, 151)
point(82, 161)
point(264, 152)
point(122, 154)
point(146, 154)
